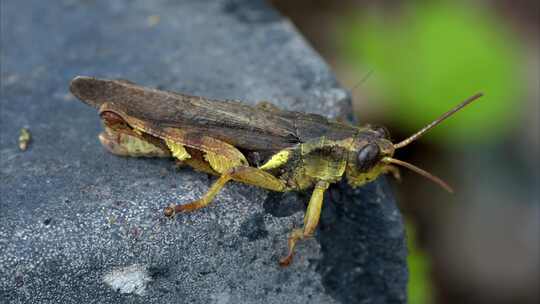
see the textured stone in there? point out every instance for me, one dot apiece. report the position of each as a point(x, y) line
point(80, 225)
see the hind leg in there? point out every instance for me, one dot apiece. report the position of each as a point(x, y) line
point(248, 175)
point(230, 164)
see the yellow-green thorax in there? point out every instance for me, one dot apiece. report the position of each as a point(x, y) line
point(324, 159)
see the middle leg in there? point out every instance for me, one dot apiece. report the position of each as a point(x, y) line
point(311, 219)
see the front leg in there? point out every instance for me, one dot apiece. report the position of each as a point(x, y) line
point(392, 170)
point(311, 219)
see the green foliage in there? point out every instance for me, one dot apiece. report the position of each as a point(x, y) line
point(431, 57)
point(419, 288)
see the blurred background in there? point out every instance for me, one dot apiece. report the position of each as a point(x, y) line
point(482, 244)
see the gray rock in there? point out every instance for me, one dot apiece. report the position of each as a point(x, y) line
point(80, 225)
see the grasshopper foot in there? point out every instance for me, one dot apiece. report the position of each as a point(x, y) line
point(170, 211)
point(295, 236)
point(173, 209)
point(286, 261)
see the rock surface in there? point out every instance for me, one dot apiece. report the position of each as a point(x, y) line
point(79, 225)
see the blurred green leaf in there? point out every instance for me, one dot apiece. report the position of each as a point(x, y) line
point(419, 288)
point(431, 57)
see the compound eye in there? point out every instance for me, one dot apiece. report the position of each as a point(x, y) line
point(381, 132)
point(368, 157)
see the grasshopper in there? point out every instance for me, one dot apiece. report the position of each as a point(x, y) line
point(258, 145)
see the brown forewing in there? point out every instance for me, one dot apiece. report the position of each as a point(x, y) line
point(245, 127)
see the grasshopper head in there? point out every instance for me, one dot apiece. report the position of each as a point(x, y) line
point(371, 151)
point(374, 152)
point(366, 158)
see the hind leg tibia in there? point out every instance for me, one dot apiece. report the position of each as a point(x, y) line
point(248, 175)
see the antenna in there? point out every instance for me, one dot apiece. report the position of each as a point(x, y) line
point(366, 77)
point(422, 172)
point(437, 121)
